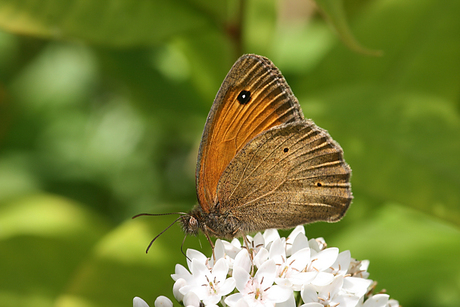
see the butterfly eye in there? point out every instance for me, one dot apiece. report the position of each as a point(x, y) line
point(244, 97)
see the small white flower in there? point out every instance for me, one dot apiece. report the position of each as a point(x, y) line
point(358, 268)
point(258, 290)
point(290, 270)
point(209, 284)
point(257, 245)
point(138, 302)
point(328, 295)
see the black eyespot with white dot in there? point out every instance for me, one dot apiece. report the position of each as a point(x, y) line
point(319, 184)
point(286, 149)
point(244, 97)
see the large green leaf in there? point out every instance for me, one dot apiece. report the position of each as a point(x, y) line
point(106, 22)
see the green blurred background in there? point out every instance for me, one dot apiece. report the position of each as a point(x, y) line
point(102, 105)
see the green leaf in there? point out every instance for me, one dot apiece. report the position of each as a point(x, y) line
point(43, 241)
point(115, 23)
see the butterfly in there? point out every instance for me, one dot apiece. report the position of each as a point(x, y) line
point(261, 164)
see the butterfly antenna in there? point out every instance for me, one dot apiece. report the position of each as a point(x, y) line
point(182, 248)
point(151, 242)
point(158, 214)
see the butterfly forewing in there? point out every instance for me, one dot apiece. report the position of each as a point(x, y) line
point(253, 98)
point(289, 175)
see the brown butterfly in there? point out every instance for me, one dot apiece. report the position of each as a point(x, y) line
point(261, 164)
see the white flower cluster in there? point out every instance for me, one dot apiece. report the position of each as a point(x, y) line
point(286, 272)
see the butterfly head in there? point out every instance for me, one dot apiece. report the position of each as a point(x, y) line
point(191, 222)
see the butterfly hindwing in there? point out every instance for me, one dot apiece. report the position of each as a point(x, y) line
point(290, 175)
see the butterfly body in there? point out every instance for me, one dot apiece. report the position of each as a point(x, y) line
point(261, 164)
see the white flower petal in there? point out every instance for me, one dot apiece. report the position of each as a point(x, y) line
point(393, 303)
point(180, 283)
point(364, 265)
point(191, 299)
point(342, 263)
point(241, 278)
point(198, 269)
point(312, 305)
point(194, 254)
point(181, 272)
point(266, 273)
point(356, 286)
point(261, 257)
point(138, 302)
point(332, 288)
point(302, 279)
point(227, 286)
point(345, 301)
point(185, 289)
point(220, 269)
point(299, 230)
point(242, 260)
point(300, 259)
point(231, 249)
point(279, 294)
point(219, 249)
point(270, 235)
point(378, 300)
point(300, 242)
point(284, 282)
point(323, 279)
point(211, 300)
point(236, 243)
point(309, 294)
point(163, 301)
point(314, 245)
point(233, 299)
point(259, 241)
point(324, 259)
point(242, 303)
point(278, 251)
point(290, 302)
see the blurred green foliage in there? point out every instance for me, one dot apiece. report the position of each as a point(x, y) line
point(102, 104)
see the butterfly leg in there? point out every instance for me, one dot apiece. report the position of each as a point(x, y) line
point(250, 248)
point(212, 245)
